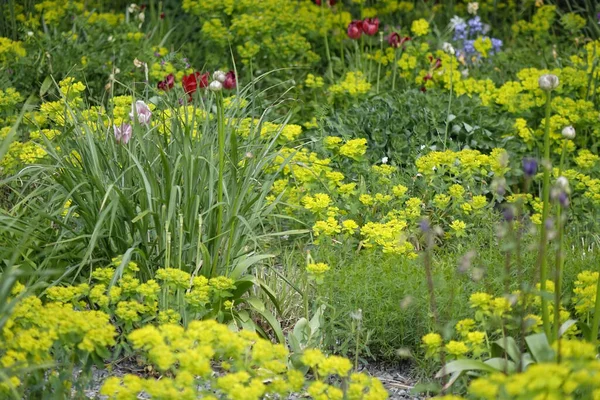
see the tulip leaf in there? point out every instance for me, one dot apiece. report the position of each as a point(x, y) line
point(509, 345)
point(539, 347)
point(464, 365)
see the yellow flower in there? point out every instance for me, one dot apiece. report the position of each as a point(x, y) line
point(432, 343)
point(458, 227)
point(354, 148)
point(420, 27)
point(456, 349)
point(463, 327)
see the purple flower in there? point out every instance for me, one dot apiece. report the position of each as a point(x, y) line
point(475, 26)
point(424, 225)
point(496, 45)
point(529, 167)
point(460, 31)
point(509, 213)
point(469, 47)
point(563, 199)
point(142, 111)
point(123, 133)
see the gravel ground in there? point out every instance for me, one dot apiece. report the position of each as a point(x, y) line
point(395, 378)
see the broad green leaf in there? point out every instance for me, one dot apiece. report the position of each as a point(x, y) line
point(540, 348)
point(244, 263)
point(565, 327)
point(464, 365)
point(502, 364)
point(509, 345)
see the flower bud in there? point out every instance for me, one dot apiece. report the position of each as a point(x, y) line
point(219, 76)
point(568, 132)
point(215, 86)
point(562, 183)
point(548, 82)
point(529, 167)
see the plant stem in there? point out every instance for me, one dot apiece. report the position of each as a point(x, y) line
point(395, 69)
point(596, 318)
point(543, 272)
point(449, 105)
point(221, 144)
point(560, 260)
point(327, 53)
point(379, 64)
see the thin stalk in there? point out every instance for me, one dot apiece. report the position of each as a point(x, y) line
point(180, 250)
point(327, 52)
point(449, 105)
point(558, 278)
point(221, 144)
point(596, 317)
point(379, 66)
point(560, 259)
point(395, 69)
point(542, 264)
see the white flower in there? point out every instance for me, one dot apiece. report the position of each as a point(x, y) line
point(132, 8)
point(448, 48)
point(456, 20)
point(138, 63)
point(215, 86)
point(30, 33)
point(472, 8)
point(384, 160)
point(465, 72)
point(219, 76)
point(568, 132)
point(548, 82)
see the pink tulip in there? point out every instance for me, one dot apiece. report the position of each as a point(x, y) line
point(123, 133)
point(142, 111)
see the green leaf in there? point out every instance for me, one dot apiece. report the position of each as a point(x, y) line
point(565, 327)
point(464, 365)
point(502, 364)
point(45, 86)
point(274, 323)
point(509, 345)
point(244, 263)
point(540, 348)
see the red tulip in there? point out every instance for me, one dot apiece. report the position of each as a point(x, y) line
point(330, 3)
point(355, 29)
point(230, 81)
point(370, 26)
point(167, 83)
point(395, 40)
point(192, 82)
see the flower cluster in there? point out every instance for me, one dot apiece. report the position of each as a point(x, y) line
point(39, 333)
point(251, 367)
point(497, 317)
